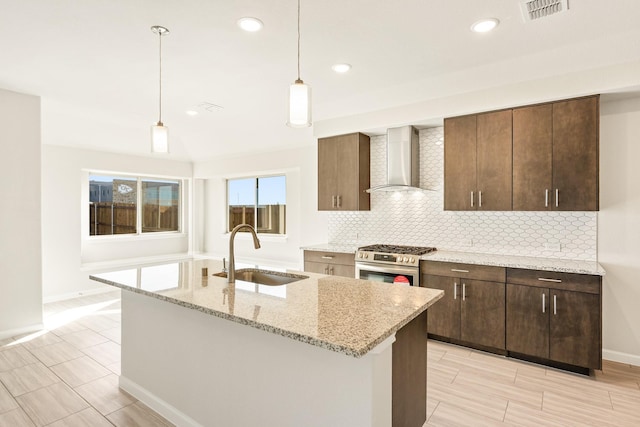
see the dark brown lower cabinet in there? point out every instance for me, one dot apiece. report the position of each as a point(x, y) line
point(471, 310)
point(548, 318)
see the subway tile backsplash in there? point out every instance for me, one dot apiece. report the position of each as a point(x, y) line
point(418, 218)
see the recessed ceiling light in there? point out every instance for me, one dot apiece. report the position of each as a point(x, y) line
point(191, 112)
point(341, 68)
point(250, 24)
point(485, 25)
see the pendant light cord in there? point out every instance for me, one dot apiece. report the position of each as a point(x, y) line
point(160, 81)
point(298, 39)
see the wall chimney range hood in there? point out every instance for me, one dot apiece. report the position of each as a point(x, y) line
point(403, 161)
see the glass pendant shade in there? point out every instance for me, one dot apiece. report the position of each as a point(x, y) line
point(299, 105)
point(159, 138)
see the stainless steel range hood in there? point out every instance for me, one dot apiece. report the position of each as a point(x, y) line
point(403, 161)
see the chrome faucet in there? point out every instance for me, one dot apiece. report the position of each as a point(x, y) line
point(231, 275)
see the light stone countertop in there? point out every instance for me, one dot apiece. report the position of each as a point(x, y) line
point(344, 315)
point(333, 247)
point(531, 263)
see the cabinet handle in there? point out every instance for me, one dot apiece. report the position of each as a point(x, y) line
point(557, 197)
point(472, 199)
point(555, 305)
point(546, 198)
point(480, 199)
point(459, 271)
point(543, 304)
point(455, 290)
point(334, 203)
point(326, 270)
point(542, 279)
point(464, 291)
point(327, 257)
point(339, 198)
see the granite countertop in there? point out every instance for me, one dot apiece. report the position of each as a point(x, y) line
point(531, 263)
point(333, 247)
point(344, 315)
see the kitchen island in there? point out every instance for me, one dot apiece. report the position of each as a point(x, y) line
point(320, 351)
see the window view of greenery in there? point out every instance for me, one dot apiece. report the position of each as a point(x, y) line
point(160, 205)
point(113, 205)
point(260, 202)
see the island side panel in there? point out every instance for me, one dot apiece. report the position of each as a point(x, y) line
point(197, 369)
point(409, 408)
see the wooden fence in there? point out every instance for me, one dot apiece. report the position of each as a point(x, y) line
point(107, 218)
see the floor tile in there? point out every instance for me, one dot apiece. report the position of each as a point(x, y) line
point(6, 344)
point(15, 418)
point(37, 339)
point(7, 402)
point(137, 415)
point(80, 371)
point(28, 378)
point(105, 395)
point(447, 415)
point(67, 328)
point(56, 353)
point(106, 353)
point(86, 418)
point(15, 357)
point(51, 403)
point(115, 368)
point(114, 334)
point(99, 322)
point(84, 338)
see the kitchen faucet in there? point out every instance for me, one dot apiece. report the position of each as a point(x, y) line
point(231, 275)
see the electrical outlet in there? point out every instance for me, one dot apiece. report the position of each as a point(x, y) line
point(556, 247)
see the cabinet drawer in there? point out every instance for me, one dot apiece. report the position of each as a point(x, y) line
point(555, 280)
point(465, 271)
point(330, 257)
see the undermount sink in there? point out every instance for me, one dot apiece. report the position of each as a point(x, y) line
point(264, 277)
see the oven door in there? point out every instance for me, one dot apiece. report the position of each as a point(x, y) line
point(388, 273)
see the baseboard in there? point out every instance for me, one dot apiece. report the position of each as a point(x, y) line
point(617, 356)
point(160, 406)
point(61, 297)
point(9, 333)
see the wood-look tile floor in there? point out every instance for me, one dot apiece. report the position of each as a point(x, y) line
point(67, 376)
point(472, 388)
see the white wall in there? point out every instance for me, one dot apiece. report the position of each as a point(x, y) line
point(619, 228)
point(20, 211)
point(67, 249)
point(305, 225)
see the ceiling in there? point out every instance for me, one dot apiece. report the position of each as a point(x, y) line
point(95, 62)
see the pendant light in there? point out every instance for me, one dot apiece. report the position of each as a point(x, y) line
point(159, 132)
point(299, 95)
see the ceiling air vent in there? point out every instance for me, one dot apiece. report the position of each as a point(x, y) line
point(536, 9)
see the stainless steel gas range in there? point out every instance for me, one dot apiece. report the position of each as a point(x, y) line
point(390, 263)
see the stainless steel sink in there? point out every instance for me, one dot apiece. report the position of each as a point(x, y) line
point(264, 277)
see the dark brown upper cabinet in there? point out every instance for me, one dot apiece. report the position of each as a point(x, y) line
point(478, 162)
point(555, 156)
point(343, 173)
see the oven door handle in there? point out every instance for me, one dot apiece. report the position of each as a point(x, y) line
point(391, 269)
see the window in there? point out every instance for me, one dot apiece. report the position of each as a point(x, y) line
point(260, 202)
point(125, 205)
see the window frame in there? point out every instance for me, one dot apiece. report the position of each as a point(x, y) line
point(139, 178)
point(256, 177)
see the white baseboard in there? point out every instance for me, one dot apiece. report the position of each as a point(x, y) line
point(172, 414)
point(8, 333)
point(76, 294)
point(617, 356)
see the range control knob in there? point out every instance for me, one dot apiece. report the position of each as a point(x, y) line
point(411, 260)
point(360, 255)
point(405, 259)
point(366, 255)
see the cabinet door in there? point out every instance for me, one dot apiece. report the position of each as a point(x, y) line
point(575, 154)
point(494, 161)
point(528, 320)
point(460, 163)
point(352, 174)
point(443, 318)
point(316, 267)
point(342, 270)
point(482, 313)
point(532, 158)
point(575, 328)
point(327, 173)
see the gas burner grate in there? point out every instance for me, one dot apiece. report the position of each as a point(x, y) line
point(398, 249)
